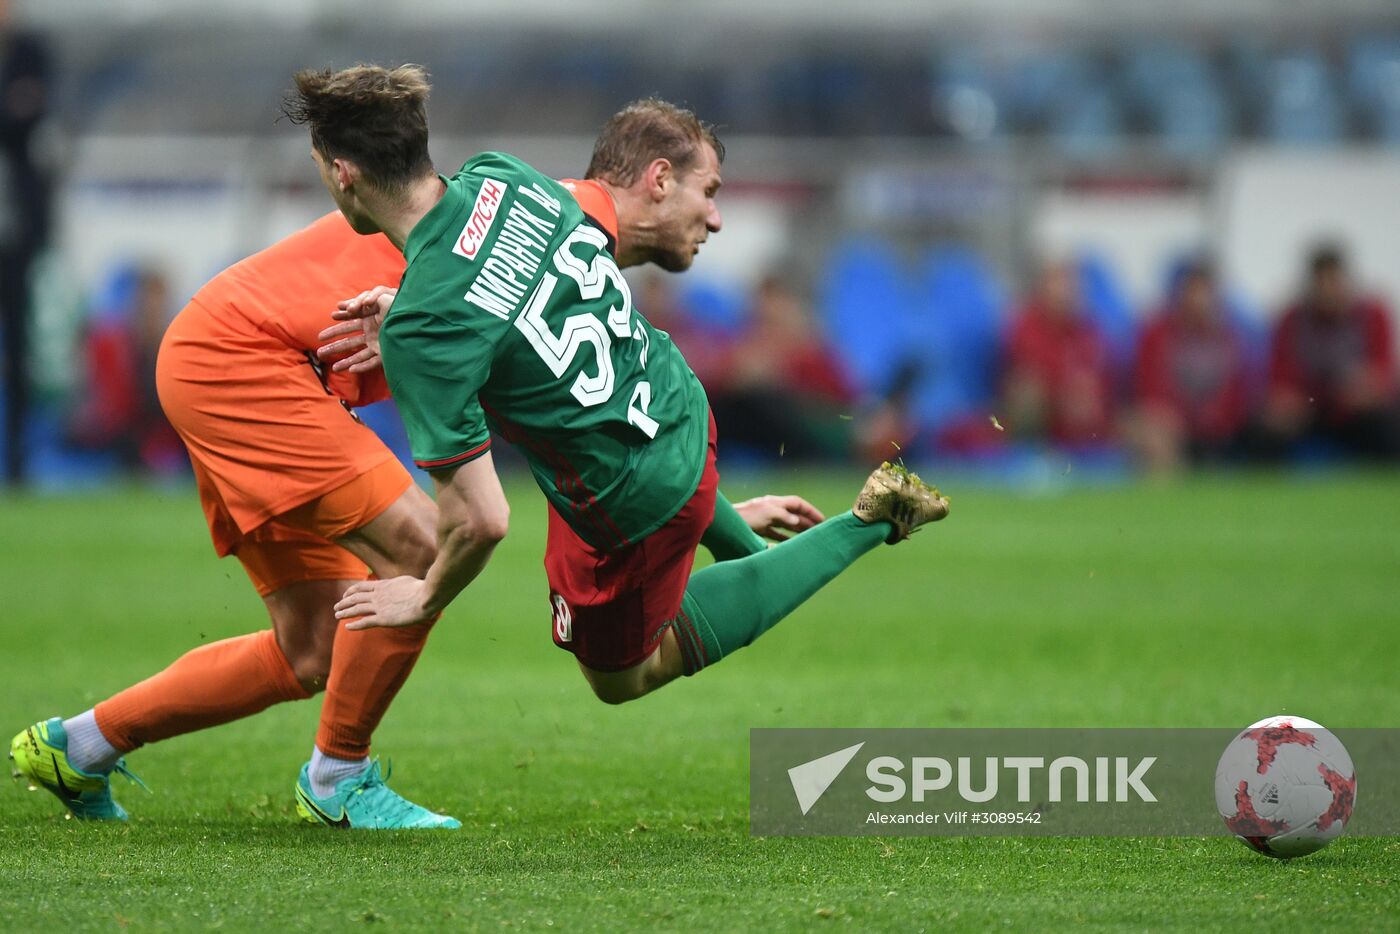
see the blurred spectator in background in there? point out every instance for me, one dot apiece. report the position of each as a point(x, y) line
point(784, 390)
point(705, 349)
point(1058, 381)
point(118, 410)
point(1332, 368)
point(24, 217)
point(1192, 378)
point(888, 426)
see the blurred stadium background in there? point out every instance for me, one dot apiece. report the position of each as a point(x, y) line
point(900, 178)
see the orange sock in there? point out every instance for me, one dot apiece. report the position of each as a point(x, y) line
point(213, 684)
point(368, 666)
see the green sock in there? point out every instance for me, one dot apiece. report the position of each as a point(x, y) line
point(728, 605)
point(729, 536)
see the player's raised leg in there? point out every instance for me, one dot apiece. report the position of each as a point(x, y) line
point(730, 604)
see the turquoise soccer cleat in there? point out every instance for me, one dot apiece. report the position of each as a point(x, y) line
point(40, 755)
point(364, 802)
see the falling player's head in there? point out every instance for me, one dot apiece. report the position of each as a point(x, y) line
point(668, 161)
point(369, 133)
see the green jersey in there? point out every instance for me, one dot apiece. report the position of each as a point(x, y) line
point(512, 318)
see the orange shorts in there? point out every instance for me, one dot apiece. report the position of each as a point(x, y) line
point(299, 545)
point(265, 437)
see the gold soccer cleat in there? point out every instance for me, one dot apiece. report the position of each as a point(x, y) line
point(895, 495)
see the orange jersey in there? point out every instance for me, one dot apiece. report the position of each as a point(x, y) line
point(289, 290)
point(238, 378)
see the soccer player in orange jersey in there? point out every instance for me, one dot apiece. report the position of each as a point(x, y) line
point(310, 501)
point(305, 496)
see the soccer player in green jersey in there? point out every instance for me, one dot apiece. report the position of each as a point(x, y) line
point(513, 318)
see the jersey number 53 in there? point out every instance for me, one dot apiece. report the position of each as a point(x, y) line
point(596, 278)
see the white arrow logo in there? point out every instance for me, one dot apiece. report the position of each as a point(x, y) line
point(810, 780)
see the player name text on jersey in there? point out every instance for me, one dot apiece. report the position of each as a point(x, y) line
point(511, 264)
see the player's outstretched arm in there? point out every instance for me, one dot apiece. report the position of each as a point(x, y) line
point(472, 519)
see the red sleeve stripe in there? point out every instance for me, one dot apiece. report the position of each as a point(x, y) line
point(456, 459)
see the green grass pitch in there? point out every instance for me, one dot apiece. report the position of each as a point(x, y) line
point(1212, 603)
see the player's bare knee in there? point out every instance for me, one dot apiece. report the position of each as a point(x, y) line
point(613, 693)
point(312, 674)
point(614, 688)
point(310, 663)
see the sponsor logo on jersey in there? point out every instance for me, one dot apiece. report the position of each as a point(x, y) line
point(483, 216)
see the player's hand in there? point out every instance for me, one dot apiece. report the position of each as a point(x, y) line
point(398, 601)
point(779, 517)
point(355, 341)
point(373, 302)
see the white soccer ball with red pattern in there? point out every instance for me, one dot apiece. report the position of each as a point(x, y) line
point(1285, 786)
